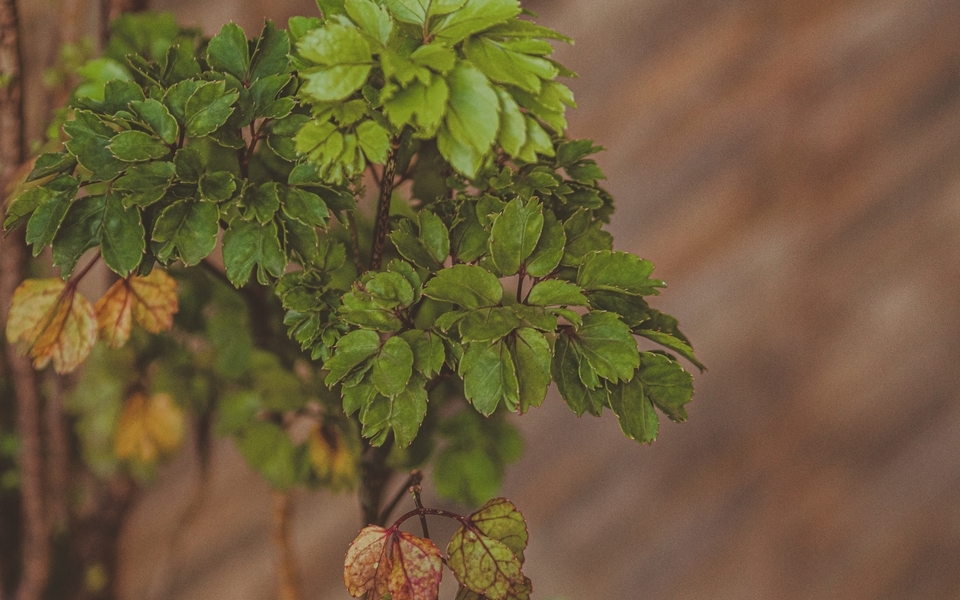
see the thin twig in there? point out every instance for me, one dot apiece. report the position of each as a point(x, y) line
point(382, 225)
point(413, 480)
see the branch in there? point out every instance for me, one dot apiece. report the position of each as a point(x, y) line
point(382, 225)
point(288, 572)
point(36, 542)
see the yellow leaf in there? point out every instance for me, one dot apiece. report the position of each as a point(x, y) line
point(334, 460)
point(48, 321)
point(150, 300)
point(148, 428)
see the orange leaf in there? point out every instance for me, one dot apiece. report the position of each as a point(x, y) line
point(389, 561)
point(148, 427)
point(150, 300)
point(49, 320)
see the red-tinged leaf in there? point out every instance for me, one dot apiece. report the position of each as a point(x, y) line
point(499, 519)
point(48, 321)
point(150, 300)
point(389, 561)
point(484, 565)
point(520, 592)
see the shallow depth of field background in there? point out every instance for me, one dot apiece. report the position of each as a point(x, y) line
point(792, 167)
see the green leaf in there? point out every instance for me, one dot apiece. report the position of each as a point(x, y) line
point(392, 367)
point(218, 186)
point(358, 395)
point(89, 141)
point(270, 55)
point(555, 292)
point(489, 374)
point(513, 126)
point(473, 112)
point(329, 8)
point(389, 290)
point(208, 108)
point(374, 140)
point(609, 347)
point(188, 229)
point(417, 11)
point(468, 238)
point(488, 324)
point(352, 350)
point(79, 231)
point(468, 475)
point(666, 384)
point(412, 248)
point(22, 206)
point(373, 19)
point(635, 413)
point(546, 256)
point(188, 165)
point(565, 369)
point(136, 146)
point(146, 183)
point(504, 65)
point(122, 237)
point(343, 62)
point(158, 117)
point(583, 237)
point(673, 343)
point(268, 449)
point(466, 285)
point(51, 163)
point(434, 235)
point(531, 351)
point(403, 413)
point(617, 272)
point(45, 221)
point(228, 51)
point(514, 234)
point(305, 207)
point(420, 105)
point(473, 17)
point(359, 308)
point(247, 244)
point(428, 352)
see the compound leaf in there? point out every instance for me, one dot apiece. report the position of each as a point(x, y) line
point(247, 244)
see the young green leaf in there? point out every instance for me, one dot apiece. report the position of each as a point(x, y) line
point(514, 234)
point(372, 18)
point(556, 292)
point(472, 17)
point(472, 119)
point(342, 60)
point(673, 343)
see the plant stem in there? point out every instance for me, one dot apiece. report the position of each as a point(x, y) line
point(374, 475)
point(382, 226)
point(288, 572)
point(35, 549)
point(413, 480)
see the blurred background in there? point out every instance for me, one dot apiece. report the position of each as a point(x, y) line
point(793, 169)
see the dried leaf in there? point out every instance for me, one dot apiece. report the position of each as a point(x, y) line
point(150, 300)
point(486, 553)
point(389, 561)
point(148, 428)
point(48, 321)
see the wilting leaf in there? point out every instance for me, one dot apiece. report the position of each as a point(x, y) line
point(486, 565)
point(389, 561)
point(49, 320)
point(150, 300)
point(148, 428)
